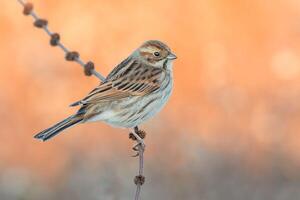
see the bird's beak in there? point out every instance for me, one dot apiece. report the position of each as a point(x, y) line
point(171, 56)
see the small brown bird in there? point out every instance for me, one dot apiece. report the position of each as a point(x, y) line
point(133, 92)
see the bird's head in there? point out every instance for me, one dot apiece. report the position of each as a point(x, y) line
point(155, 53)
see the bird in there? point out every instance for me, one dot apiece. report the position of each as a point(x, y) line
point(133, 92)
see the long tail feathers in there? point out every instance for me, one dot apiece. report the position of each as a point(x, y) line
point(57, 128)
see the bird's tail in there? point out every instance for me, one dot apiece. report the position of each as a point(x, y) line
point(57, 128)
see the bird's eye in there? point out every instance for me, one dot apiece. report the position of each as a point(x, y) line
point(156, 54)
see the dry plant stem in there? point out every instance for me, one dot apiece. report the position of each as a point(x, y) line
point(40, 23)
point(89, 70)
point(139, 179)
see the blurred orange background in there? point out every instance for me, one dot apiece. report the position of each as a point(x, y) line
point(230, 130)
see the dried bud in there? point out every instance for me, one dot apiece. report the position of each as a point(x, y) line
point(40, 23)
point(141, 133)
point(88, 67)
point(139, 180)
point(28, 7)
point(54, 39)
point(71, 56)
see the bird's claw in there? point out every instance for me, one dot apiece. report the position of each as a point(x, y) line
point(138, 135)
point(136, 147)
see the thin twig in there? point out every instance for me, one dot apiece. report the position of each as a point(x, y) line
point(88, 70)
point(41, 23)
point(140, 178)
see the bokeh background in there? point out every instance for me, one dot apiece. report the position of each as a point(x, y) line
point(230, 130)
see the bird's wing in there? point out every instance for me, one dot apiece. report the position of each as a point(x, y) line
point(130, 79)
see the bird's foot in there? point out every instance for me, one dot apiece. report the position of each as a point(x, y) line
point(137, 149)
point(138, 135)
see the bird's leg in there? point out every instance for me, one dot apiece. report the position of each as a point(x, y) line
point(138, 135)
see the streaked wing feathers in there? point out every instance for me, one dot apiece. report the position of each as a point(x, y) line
point(130, 78)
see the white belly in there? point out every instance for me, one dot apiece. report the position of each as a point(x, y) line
point(133, 111)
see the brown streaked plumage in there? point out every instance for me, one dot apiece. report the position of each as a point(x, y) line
point(133, 92)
